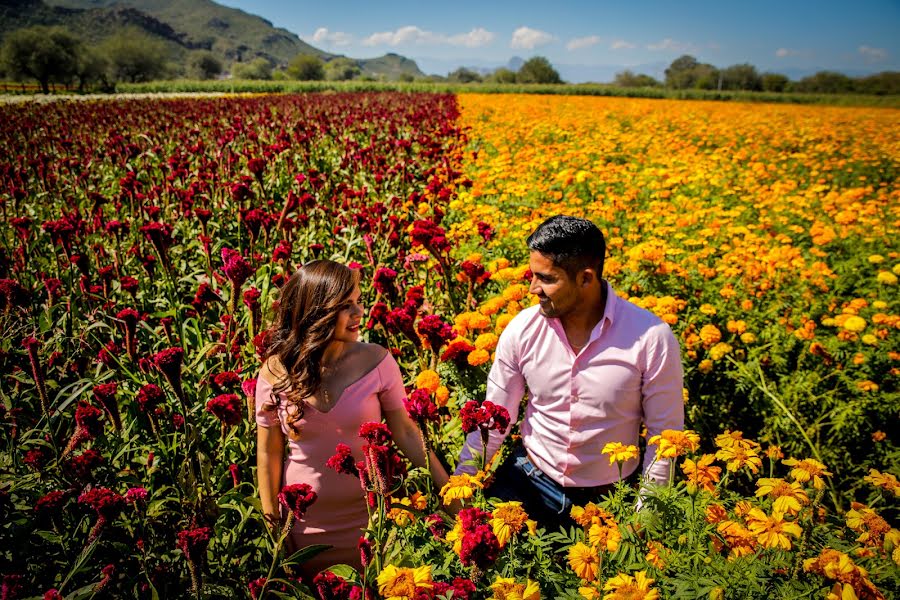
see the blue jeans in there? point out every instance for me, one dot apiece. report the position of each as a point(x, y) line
point(545, 501)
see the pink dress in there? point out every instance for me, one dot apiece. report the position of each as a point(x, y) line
point(339, 514)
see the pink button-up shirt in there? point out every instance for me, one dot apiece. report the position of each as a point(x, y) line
point(629, 372)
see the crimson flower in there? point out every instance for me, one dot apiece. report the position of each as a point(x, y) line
point(342, 461)
point(332, 587)
point(435, 331)
point(106, 503)
point(297, 497)
point(383, 281)
point(105, 394)
point(421, 408)
point(87, 425)
point(149, 397)
point(483, 415)
point(235, 267)
point(375, 433)
point(227, 408)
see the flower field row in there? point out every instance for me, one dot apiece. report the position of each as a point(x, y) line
point(145, 242)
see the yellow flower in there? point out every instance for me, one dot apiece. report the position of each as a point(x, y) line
point(710, 335)
point(588, 514)
point(589, 593)
point(402, 583)
point(887, 278)
point(705, 365)
point(460, 487)
point(772, 531)
point(876, 259)
point(508, 519)
point(605, 537)
point(707, 309)
point(701, 474)
point(626, 587)
point(720, 350)
point(748, 338)
point(806, 470)
point(789, 497)
point(502, 322)
point(507, 589)
point(869, 524)
point(515, 292)
point(738, 456)
point(852, 580)
point(653, 556)
point(428, 380)
point(673, 443)
point(619, 452)
point(584, 561)
point(740, 540)
point(885, 481)
point(854, 323)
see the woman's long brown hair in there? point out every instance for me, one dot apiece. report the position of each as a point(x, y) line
point(304, 325)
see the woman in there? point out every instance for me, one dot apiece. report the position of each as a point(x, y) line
point(318, 385)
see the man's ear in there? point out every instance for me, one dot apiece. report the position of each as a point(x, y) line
point(588, 276)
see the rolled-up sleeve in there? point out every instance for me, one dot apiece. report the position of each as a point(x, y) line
point(661, 391)
point(505, 387)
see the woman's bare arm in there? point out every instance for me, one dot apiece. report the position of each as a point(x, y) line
point(409, 440)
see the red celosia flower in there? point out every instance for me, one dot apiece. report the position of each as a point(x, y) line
point(149, 397)
point(82, 467)
point(429, 234)
point(235, 267)
point(87, 425)
point(241, 192)
point(249, 387)
point(256, 166)
point(227, 408)
point(485, 231)
point(435, 331)
point(105, 394)
point(32, 345)
point(365, 551)
point(36, 458)
point(226, 380)
point(256, 586)
point(12, 294)
point(483, 415)
point(378, 315)
point(106, 503)
point(378, 466)
point(135, 494)
point(235, 474)
point(282, 251)
point(251, 298)
point(297, 497)
point(332, 587)
point(375, 433)
point(52, 594)
point(12, 586)
point(342, 461)
point(421, 408)
point(383, 281)
point(50, 504)
point(160, 235)
point(401, 320)
point(205, 295)
point(168, 361)
point(129, 284)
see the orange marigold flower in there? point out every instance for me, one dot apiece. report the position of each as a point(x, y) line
point(700, 474)
point(673, 443)
point(626, 587)
point(772, 531)
point(740, 540)
point(653, 555)
point(869, 524)
point(710, 335)
point(478, 357)
point(584, 561)
point(852, 580)
point(428, 380)
point(736, 457)
point(789, 497)
point(508, 519)
point(886, 481)
point(605, 537)
point(588, 514)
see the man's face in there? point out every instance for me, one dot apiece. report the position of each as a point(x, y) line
point(558, 293)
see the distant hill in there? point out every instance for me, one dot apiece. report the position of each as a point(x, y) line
point(185, 26)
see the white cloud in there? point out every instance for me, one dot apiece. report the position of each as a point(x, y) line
point(474, 39)
point(525, 38)
point(873, 54)
point(414, 35)
point(621, 45)
point(332, 38)
point(583, 42)
point(785, 52)
point(671, 45)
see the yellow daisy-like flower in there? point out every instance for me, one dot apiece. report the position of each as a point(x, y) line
point(506, 588)
point(626, 587)
point(584, 561)
point(605, 537)
point(508, 519)
point(402, 583)
point(653, 556)
point(736, 457)
point(808, 469)
point(588, 514)
point(772, 531)
point(460, 487)
point(428, 380)
point(619, 452)
point(868, 523)
point(886, 277)
point(673, 443)
point(885, 481)
point(701, 474)
point(589, 593)
point(789, 496)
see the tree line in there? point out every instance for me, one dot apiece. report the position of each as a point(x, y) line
point(686, 72)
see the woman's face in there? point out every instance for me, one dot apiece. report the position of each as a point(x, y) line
point(349, 319)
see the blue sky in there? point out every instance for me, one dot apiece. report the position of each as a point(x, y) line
point(591, 40)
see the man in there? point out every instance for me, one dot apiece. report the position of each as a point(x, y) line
point(594, 366)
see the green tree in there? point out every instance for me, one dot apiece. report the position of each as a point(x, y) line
point(342, 69)
point(258, 68)
point(47, 54)
point(306, 67)
point(464, 75)
point(538, 70)
point(503, 75)
point(92, 68)
point(205, 65)
point(135, 56)
point(628, 79)
point(774, 82)
point(687, 72)
point(886, 83)
point(825, 82)
point(741, 77)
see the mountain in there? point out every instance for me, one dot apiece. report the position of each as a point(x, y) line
point(185, 26)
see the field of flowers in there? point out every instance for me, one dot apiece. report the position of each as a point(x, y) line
point(144, 242)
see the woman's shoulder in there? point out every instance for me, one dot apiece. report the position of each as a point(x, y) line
point(370, 355)
point(272, 370)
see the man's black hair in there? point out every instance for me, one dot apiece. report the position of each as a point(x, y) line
point(571, 243)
